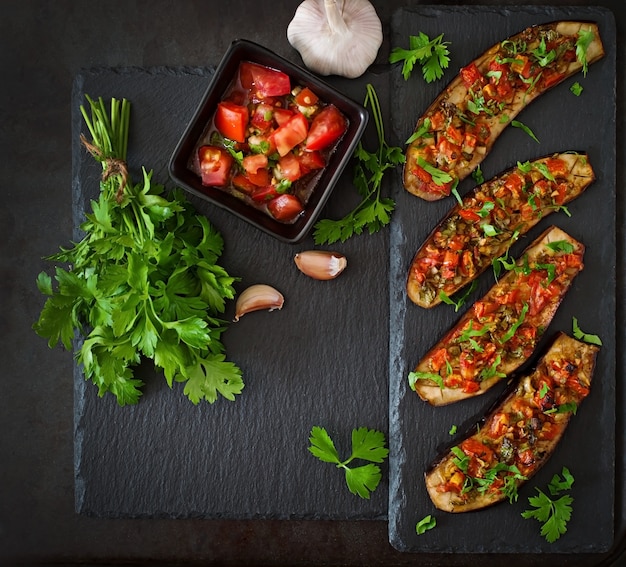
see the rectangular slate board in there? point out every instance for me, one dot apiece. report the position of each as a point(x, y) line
point(321, 360)
point(418, 432)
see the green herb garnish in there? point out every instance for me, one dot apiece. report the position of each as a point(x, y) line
point(425, 524)
point(143, 282)
point(374, 211)
point(554, 514)
point(518, 124)
point(578, 334)
point(432, 55)
point(367, 445)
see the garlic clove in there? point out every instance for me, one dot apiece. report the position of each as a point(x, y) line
point(321, 264)
point(336, 37)
point(258, 297)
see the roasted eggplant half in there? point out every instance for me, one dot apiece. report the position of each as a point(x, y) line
point(500, 331)
point(489, 219)
point(459, 128)
point(518, 435)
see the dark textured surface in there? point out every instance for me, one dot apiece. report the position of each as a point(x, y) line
point(418, 431)
point(43, 47)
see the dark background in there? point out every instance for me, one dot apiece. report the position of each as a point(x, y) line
point(44, 45)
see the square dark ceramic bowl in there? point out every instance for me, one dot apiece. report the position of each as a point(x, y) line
point(181, 171)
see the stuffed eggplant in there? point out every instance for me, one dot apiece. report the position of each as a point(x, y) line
point(459, 128)
point(496, 335)
point(489, 219)
point(519, 435)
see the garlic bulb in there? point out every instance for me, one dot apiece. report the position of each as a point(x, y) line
point(257, 297)
point(320, 264)
point(336, 37)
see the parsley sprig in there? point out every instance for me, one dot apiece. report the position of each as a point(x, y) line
point(367, 445)
point(431, 55)
point(143, 282)
point(374, 211)
point(553, 513)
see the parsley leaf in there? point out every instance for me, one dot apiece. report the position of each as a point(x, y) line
point(144, 282)
point(374, 211)
point(518, 124)
point(367, 445)
point(554, 514)
point(431, 55)
point(585, 37)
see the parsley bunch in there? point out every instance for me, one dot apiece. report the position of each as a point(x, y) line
point(553, 513)
point(432, 55)
point(143, 282)
point(373, 212)
point(367, 444)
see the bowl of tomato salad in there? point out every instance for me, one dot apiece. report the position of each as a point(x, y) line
point(268, 141)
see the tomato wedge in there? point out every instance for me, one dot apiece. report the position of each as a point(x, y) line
point(327, 127)
point(231, 120)
point(215, 164)
point(264, 81)
point(285, 207)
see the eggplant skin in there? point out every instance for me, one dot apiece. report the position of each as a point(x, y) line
point(523, 430)
point(452, 151)
point(498, 334)
point(429, 276)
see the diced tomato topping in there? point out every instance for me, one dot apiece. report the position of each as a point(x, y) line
point(498, 425)
point(264, 81)
point(474, 448)
point(467, 365)
point(551, 77)
point(471, 75)
point(438, 359)
point(327, 127)
point(215, 164)
point(306, 97)
point(285, 207)
point(469, 215)
point(437, 120)
point(454, 135)
point(231, 120)
point(290, 134)
point(470, 386)
point(557, 167)
point(484, 308)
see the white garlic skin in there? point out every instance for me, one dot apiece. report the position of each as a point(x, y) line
point(258, 297)
point(336, 37)
point(320, 264)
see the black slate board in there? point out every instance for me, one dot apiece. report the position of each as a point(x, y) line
point(322, 360)
point(418, 431)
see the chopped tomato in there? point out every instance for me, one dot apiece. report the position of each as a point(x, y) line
point(310, 161)
point(264, 194)
point(484, 308)
point(469, 215)
point(290, 134)
point(454, 135)
point(252, 163)
point(498, 425)
point(282, 115)
point(261, 178)
point(551, 77)
point(306, 97)
point(289, 167)
point(471, 75)
point(438, 359)
point(231, 120)
point(264, 81)
point(241, 182)
point(474, 448)
point(285, 207)
point(215, 164)
point(262, 117)
point(437, 121)
point(327, 127)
